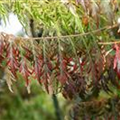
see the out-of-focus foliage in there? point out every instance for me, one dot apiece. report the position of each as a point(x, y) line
point(24, 106)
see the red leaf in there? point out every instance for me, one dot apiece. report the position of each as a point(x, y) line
point(38, 69)
point(25, 71)
point(1, 51)
point(28, 53)
point(46, 77)
point(116, 64)
point(12, 62)
point(49, 65)
point(63, 77)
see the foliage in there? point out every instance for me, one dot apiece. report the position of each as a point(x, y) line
point(72, 58)
point(20, 105)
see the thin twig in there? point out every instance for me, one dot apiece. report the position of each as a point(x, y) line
point(109, 43)
point(67, 36)
point(75, 35)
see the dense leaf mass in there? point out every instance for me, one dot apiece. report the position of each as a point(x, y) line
point(76, 75)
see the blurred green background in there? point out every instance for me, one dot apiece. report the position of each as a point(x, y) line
point(20, 105)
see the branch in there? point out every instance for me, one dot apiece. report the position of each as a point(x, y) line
point(66, 36)
point(57, 107)
point(77, 35)
point(109, 43)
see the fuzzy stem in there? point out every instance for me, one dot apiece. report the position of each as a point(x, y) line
point(57, 107)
